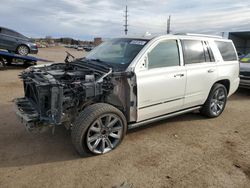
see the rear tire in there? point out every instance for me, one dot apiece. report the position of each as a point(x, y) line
point(23, 50)
point(216, 101)
point(98, 129)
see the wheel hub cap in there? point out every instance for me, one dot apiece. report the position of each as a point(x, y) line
point(104, 134)
point(218, 101)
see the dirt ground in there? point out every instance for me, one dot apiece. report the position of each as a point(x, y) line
point(185, 151)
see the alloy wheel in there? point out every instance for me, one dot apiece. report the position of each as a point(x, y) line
point(23, 50)
point(218, 101)
point(104, 134)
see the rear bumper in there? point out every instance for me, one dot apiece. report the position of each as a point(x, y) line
point(245, 83)
point(34, 50)
point(234, 86)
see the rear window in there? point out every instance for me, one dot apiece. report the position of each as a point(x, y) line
point(227, 50)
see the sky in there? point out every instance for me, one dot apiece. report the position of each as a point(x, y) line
point(85, 19)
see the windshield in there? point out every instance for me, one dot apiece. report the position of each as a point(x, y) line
point(117, 52)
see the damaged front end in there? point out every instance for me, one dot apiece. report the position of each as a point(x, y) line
point(56, 93)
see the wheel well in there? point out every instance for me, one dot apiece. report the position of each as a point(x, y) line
point(226, 83)
point(23, 45)
point(115, 101)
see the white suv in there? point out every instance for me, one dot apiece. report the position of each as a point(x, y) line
point(128, 82)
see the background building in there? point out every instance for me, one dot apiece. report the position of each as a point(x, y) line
point(97, 41)
point(241, 41)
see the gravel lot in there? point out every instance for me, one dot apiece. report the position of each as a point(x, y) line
point(186, 151)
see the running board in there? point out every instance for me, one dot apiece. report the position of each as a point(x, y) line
point(159, 118)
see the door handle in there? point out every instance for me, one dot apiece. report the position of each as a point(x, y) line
point(211, 70)
point(179, 75)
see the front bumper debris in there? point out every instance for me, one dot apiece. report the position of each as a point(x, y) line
point(28, 115)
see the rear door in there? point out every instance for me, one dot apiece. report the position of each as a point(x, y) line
point(161, 84)
point(201, 71)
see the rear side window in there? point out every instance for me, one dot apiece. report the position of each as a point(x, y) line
point(4, 31)
point(227, 50)
point(11, 33)
point(16, 34)
point(7, 32)
point(193, 51)
point(164, 54)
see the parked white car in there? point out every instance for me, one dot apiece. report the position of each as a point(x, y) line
point(80, 48)
point(128, 82)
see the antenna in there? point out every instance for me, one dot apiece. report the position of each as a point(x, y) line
point(168, 24)
point(126, 21)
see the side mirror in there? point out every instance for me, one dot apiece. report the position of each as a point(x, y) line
point(142, 64)
point(130, 74)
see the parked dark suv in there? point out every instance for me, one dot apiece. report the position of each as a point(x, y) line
point(15, 42)
point(245, 71)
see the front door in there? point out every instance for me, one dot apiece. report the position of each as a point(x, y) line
point(161, 85)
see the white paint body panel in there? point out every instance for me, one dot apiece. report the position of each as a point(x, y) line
point(159, 92)
point(157, 86)
point(199, 82)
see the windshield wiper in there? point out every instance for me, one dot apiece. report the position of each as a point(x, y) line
point(100, 62)
point(97, 65)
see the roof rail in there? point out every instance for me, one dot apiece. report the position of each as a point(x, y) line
point(200, 35)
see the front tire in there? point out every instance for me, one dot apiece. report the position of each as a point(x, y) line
point(22, 50)
point(216, 101)
point(98, 129)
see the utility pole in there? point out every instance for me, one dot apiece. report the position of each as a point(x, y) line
point(126, 21)
point(168, 24)
point(222, 34)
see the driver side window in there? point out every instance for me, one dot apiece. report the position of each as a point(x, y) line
point(164, 54)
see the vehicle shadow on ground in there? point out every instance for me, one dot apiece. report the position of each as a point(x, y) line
point(241, 94)
point(193, 116)
point(20, 148)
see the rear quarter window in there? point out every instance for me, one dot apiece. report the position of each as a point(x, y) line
point(227, 50)
point(6, 31)
point(12, 33)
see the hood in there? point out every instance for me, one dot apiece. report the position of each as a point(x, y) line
point(62, 73)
